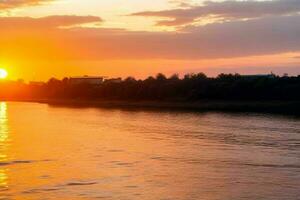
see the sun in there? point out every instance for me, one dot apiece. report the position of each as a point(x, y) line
point(3, 73)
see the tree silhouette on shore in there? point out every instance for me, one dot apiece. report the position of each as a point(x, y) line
point(192, 87)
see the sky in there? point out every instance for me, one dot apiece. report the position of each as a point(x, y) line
point(117, 38)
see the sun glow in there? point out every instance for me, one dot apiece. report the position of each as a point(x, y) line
point(3, 73)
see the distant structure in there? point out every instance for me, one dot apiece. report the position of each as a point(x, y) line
point(254, 76)
point(113, 80)
point(93, 80)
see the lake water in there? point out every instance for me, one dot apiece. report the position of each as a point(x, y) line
point(49, 152)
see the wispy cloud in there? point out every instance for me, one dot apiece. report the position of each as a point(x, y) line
point(270, 35)
point(10, 4)
point(181, 3)
point(16, 24)
point(225, 10)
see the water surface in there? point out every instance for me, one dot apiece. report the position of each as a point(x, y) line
point(51, 152)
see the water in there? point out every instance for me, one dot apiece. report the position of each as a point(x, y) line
point(90, 153)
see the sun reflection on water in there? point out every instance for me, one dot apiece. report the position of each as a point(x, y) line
point(3, 122)
point(4, 134)
point(3, 178)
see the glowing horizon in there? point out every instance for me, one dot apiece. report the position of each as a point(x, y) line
point(54, 38)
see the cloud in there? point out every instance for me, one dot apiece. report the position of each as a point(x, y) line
point(10, 4)
point(223, 40)
point(225, 10)
point(27, 38)
point(50, 22)
point(181, 3)
point(45, 40)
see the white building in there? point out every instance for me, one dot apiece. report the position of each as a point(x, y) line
point(113, 80)
point(93, 80)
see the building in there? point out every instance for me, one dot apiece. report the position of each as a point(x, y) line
point(113, 80)
point(255, 76)
point(93, 80)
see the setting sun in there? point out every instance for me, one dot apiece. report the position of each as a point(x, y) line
point(3, 73)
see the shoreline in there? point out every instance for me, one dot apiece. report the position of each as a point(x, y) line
point(276, 107)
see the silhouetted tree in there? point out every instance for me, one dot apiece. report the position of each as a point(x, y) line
point(192, 87)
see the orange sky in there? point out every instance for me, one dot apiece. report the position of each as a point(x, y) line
point(57, 38)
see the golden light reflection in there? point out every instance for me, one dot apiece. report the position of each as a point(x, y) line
point(4, 133)
point(3, 177)
point(3, 123)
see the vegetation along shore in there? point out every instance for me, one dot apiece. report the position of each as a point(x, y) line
point(227, 92)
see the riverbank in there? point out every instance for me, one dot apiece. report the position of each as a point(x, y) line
point(280, 107)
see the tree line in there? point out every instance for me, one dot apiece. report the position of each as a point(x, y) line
point(192, 87)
